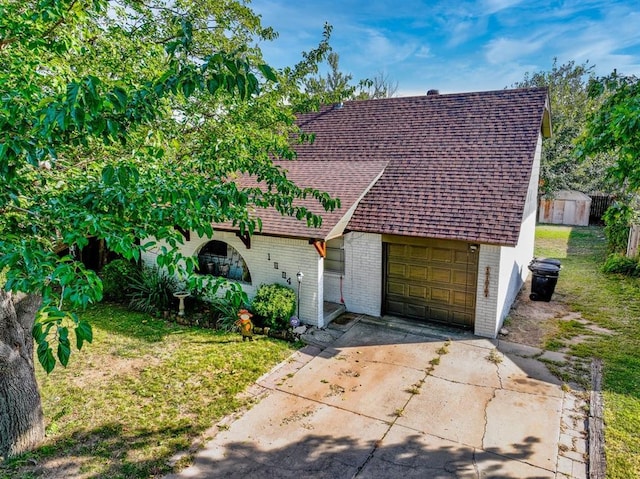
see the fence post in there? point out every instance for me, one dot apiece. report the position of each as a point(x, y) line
point(634, 240)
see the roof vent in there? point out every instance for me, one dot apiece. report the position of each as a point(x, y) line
point(337, 106)
point(433, 92)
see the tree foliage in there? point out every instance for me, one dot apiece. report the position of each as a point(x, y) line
point(380, 86)
point(614, 127)
point(570, 106)
point(336, 86)
point(127, 120)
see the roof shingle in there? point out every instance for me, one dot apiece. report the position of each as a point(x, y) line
point(458, 165)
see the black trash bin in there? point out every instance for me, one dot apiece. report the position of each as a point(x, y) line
point(545, 277)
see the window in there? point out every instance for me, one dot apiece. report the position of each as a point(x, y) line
point(217, 258)
point(334, 261)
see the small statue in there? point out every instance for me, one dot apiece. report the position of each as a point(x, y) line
point(245, 324)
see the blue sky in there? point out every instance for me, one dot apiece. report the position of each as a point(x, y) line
point(457, 45)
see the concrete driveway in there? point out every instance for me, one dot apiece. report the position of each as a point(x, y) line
point(386, 403)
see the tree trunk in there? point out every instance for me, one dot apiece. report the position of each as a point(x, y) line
point(21, 419)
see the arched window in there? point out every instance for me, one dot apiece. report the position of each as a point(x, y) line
point(218, 258)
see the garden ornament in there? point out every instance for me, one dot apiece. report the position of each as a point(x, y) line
point(245, 324)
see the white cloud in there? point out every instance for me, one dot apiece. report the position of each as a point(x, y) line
point(490, 7)
point(423, 52)
point(504, 50)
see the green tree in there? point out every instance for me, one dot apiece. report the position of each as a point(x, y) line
point(570, 105)
point(380, 86)
point(333, 87)
point(337, 86)
point(125, 120)
point(614, 127)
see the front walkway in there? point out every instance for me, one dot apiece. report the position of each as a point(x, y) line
point(382, 403)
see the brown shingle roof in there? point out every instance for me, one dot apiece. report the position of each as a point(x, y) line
point(347, 180)
point(459, 165)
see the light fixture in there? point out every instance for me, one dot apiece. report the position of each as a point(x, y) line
point(299, 276)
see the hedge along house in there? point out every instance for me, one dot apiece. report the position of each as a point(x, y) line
point(438, 208)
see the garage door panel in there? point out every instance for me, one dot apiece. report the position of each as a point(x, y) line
point(396, 307)
point(396, 288)
point(440, 295)
point(396, 250)
point(416, 310)
point(398, 270)
point(463, 257)
point(463, 278)
point(417, 272)
point(461, 319)
point(418, 252)
point(440, 275)
point(434, 280)
point(439, 314)
point(441, 255)
point(460, 298)
point(419, 292)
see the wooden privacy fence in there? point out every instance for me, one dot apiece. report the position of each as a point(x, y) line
point(599, 204)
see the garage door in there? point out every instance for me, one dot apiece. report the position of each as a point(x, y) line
point(431, 280)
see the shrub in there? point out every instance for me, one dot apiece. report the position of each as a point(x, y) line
point(617, 219)
point(276, 303)
point(152, 290)
point(221, 297)
point(618, 263)
point(225, 314)
point(117, 277)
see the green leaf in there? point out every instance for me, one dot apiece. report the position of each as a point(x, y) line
point(188, 87)
point(64, 347)
point(123, 176)
point(84, 332)
point(212, 85)
point(148, 245)
point(45, 356)
point(108, 172)
point(38, 333)
point(268, 72)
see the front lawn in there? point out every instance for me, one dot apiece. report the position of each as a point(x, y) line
point(142, 392)
point(612, 302)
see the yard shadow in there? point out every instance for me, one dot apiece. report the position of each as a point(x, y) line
point(324, 456)
point(314, 456)
point(107, 449)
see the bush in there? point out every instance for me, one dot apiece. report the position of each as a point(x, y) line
point(152, 290)
point(617, 219)
point(225, 314)
point(224, 306)
point(618, 263)
point(276, 303)
point(117, 277)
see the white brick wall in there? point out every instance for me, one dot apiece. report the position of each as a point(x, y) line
point(332, 286)
point(362, 285)
point(487, 291)
point(292, 255)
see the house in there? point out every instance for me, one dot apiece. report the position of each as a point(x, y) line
point(437, 218)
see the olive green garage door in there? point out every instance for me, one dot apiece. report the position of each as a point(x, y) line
point(431, 280)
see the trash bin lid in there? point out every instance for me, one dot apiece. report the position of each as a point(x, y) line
point(549, 261)
point(544, 268)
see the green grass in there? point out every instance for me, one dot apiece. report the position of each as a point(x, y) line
point(142, 392)
point(612, 302)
